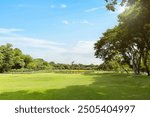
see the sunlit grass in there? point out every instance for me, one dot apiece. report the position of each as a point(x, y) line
point(74, 86)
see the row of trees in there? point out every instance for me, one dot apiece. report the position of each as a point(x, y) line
point(12, 59)
point(73, 66)
point(128, 44)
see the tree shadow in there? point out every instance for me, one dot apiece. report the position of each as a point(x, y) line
point(69, 93)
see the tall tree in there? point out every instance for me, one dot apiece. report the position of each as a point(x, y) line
point(6, 57)
point(133, 44)
point(18, 59)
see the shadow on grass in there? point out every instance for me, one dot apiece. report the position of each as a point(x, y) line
point(69, 93)
point(105, 87)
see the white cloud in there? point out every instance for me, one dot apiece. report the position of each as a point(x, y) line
point(86, 22)
point(29, 42)
point(80, 52)
point(93, 9)
point(63, 6)
point(66, 22)
point(83, 47)
point(9, 30)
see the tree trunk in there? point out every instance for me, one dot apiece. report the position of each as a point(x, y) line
point(145, 58)
point(147, 69)
point(136, 64)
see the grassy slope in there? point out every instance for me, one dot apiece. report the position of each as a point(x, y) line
point(74, 86)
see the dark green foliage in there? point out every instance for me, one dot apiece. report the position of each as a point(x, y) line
point(130, 40)
point(18, 59)
point(60, 66)
point(12, 59)
point(111, 4)
point(27, 60)
point(6, 57)
point(38, 64)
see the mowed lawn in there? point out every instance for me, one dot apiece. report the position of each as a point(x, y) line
point(51, 86)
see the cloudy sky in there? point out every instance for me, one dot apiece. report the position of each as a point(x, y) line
point(56, 30)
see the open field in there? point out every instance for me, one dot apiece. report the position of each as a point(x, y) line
point(50, 86)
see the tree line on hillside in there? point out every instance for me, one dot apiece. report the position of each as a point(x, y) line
point(127, 45)
point(13, 59)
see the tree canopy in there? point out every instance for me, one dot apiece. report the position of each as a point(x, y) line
point(111, 4)
point(13, 58)
point(130, 39)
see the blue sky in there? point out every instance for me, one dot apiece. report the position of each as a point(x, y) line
point(56, 30)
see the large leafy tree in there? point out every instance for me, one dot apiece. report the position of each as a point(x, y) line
point(137, 21)
point(18, 59)
point(38, 64)
point(27, 60)
point(130, 39)
point(6, 57)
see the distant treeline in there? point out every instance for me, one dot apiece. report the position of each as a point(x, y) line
point(13, 59)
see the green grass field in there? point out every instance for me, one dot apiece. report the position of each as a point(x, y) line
point(51, 86)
